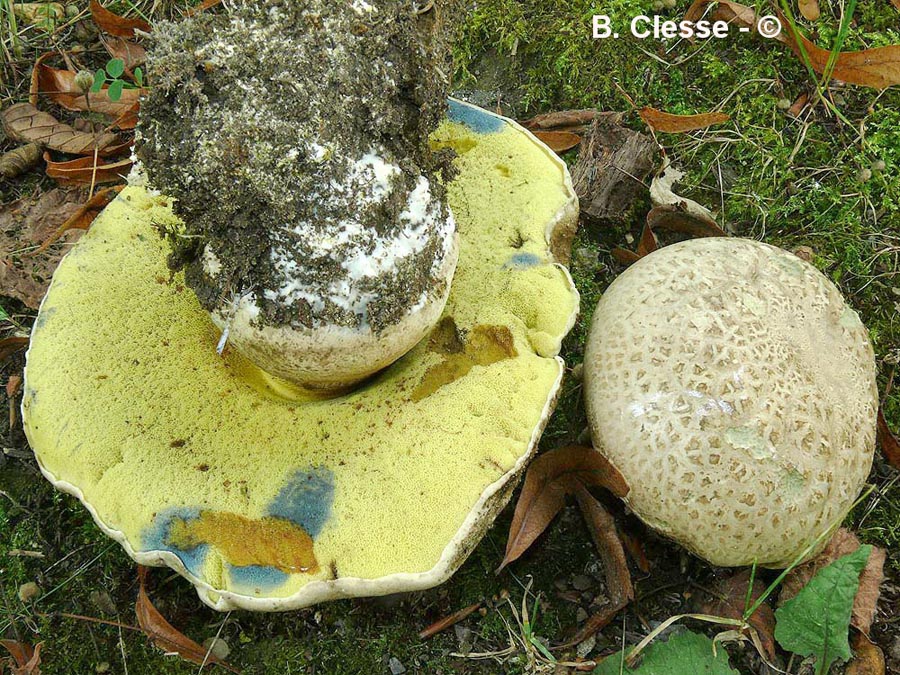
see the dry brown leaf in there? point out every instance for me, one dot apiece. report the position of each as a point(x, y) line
point(730, 602)
point(563, 120)
point(24, 224)
point(25, 123)
point(673, 218)
point(624, 256)
point(11, 345)
point(167, 637)
point(447, 621)
point(202, 7)
point(648, 242)
point(890, 446)
point(19, 160)
point(114, 24)
point(635, 549)
point(594, 624)
point(798, 105)
point(868, 658)
point(131, 53)
point(844, 542)
point(606, 539)
point(558, 141)
point(83, 217)
point(659, 120)
point(809, 9)
point(59, 86)
point(27, 658)
point(877, 68)
point(83, 171)
point(550, 478)
point(896, 3)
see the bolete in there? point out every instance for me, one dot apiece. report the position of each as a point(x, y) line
point(734, 389)
point(269, 498)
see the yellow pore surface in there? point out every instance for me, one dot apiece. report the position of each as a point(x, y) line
point(179, 449)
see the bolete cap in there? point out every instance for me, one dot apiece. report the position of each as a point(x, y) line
point(735, 390)
point(268, 499)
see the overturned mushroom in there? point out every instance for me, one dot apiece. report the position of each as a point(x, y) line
point(269, 498)
point(734, 389)
point(294, 138)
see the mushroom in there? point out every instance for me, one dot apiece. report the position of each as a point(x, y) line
point(294, 140)
point(271, 498)
point(734, 389)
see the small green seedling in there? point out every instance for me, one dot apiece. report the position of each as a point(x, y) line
point(112, 73)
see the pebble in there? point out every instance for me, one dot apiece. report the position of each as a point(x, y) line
point(217, 647)
point(586, 646)
point(396, 667)
point(103, 601)
point(581, 615)
point(582, 582)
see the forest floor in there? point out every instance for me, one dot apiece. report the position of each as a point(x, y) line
point(827, 182)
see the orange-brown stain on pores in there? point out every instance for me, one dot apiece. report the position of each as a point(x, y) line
point(463, 350)
point(268, 542)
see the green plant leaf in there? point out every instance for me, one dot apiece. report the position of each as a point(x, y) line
point(686, 653)
point(115, 90)
point(115, 67)
point(3, 315)
point(817, 620)
point(99, 81)
point(139, 76)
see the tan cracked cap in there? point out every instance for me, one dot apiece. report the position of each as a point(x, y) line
point(735, 390)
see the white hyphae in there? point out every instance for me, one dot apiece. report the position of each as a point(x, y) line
point(734, 389)
point(359, 315)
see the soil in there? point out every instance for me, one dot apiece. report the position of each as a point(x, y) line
point(260, 121)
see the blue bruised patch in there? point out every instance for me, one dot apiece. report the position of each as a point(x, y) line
point(478, 120)
point(523, 261)
point(156, 538)
point(256, 577)
point(306, 499)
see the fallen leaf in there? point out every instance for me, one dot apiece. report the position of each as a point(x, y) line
point(114, 24)
point(842, 543)
point(675, 124)
point(635, 550)
point(83, 170)
point(661, 193)
point(27, 658)
point(877, 68)
point(606, 539)
point(19, 160)
point(24, 224)
point(83, 217)
point(730, 601)
point(550, 478)
point(13, 387)
point(868, 658)
point(798, 105)
point(131, 53)
point(624, 256)
point(25, 123)
point(890, 446)
point(59, 86)
point(809, 9)
point(11, 345)
point(558, 141)
point(673, 218)
point(564, 120)
point(448, 621)
point(202, 7)
point(648, 242)
point(896, 3)
point(594, 624)
point(167, 637)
